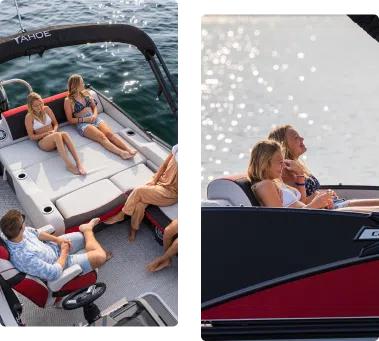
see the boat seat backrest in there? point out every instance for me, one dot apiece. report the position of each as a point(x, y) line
point(15, 118)
point(236, 189)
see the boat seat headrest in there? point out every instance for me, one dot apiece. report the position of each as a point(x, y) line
point(236, 189)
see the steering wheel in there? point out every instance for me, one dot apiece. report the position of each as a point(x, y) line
point(84, 296)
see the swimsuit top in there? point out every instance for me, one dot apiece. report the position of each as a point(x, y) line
point(311, 185)
point(78, 107)
point(39, 125)
point(289, 197)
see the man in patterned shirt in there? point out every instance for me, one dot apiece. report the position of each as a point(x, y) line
point(45, 256)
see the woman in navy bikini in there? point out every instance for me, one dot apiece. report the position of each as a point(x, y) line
point(296, 172)
point(80, 109)
point(42, 126)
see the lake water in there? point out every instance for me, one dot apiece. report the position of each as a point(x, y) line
point(117, 70)
point(317, 73)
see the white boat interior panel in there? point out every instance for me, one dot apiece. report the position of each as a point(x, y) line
point(153, 151)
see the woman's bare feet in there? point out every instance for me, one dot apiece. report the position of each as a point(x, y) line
point(72, 168)
point(89, 226)
point(109, 255)
point(126, 155)
point(115, 219)
point(132, 235)
point(159, 264)
point(81, 169)
point(133, 152)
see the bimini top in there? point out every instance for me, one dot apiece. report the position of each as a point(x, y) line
point(38, 41)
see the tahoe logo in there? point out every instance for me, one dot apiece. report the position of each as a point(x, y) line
point(29, 37)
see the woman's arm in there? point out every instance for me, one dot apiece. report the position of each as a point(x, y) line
point(54, 121)
point(94, 108)
point(268, 194)
point(294, 170)
point(161, 170)
point(30, 130)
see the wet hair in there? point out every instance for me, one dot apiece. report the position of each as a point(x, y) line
point(279, 135)
point(72, 85)
point(10, 224)
point(260, 161)
point(38, 116)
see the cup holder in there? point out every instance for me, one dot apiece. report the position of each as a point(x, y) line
point(130, 133)
point(21, 176)
point(48, 209)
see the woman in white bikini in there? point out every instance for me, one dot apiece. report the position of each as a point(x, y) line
point(265, 174)
point(42, 126)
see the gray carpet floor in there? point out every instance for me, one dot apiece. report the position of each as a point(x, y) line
point(124, 275)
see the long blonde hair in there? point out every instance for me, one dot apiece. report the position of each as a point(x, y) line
point(260, 161)
point(38, 116)
point(279, 135)
point(72, 85)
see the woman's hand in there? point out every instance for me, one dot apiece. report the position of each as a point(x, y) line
point(60, 241)
point(48, 133)
point(335, 196)
point(293, 167)
point(323, 200)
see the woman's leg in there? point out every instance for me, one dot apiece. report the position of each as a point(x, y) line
point(55, 139)
point(140, 198)
point(169, 233)
point(165, 260)
point(68, 142)
point(117, 141)
point(96, 135)
point(363, 202)
point(363, 209)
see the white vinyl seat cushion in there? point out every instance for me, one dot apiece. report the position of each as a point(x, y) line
point(170, 211)
point(132, 177)
point(26, 153)
point(88, 198)
point(55, 181)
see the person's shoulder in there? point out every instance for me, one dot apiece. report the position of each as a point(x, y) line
point(47, 109)
point(264, 184)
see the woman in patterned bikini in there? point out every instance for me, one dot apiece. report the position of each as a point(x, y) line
point(80, 109)
point(296, 171)
point(42, 126)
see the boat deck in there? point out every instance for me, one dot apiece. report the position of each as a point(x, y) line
point(125, 274)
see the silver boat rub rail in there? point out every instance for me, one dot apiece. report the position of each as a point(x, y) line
point(17, 80)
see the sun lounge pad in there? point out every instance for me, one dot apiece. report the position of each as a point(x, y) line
point(26, 153)
point(55, 181)
point(89, 202)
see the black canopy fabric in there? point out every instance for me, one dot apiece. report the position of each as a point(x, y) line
point(38, 41)
point(370, 23)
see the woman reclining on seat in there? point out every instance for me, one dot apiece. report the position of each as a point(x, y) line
point(80, 109)
point(265, 171)
point(42, 126)
point(293, 147)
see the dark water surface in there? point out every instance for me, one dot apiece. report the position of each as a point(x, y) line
point(119, 71)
